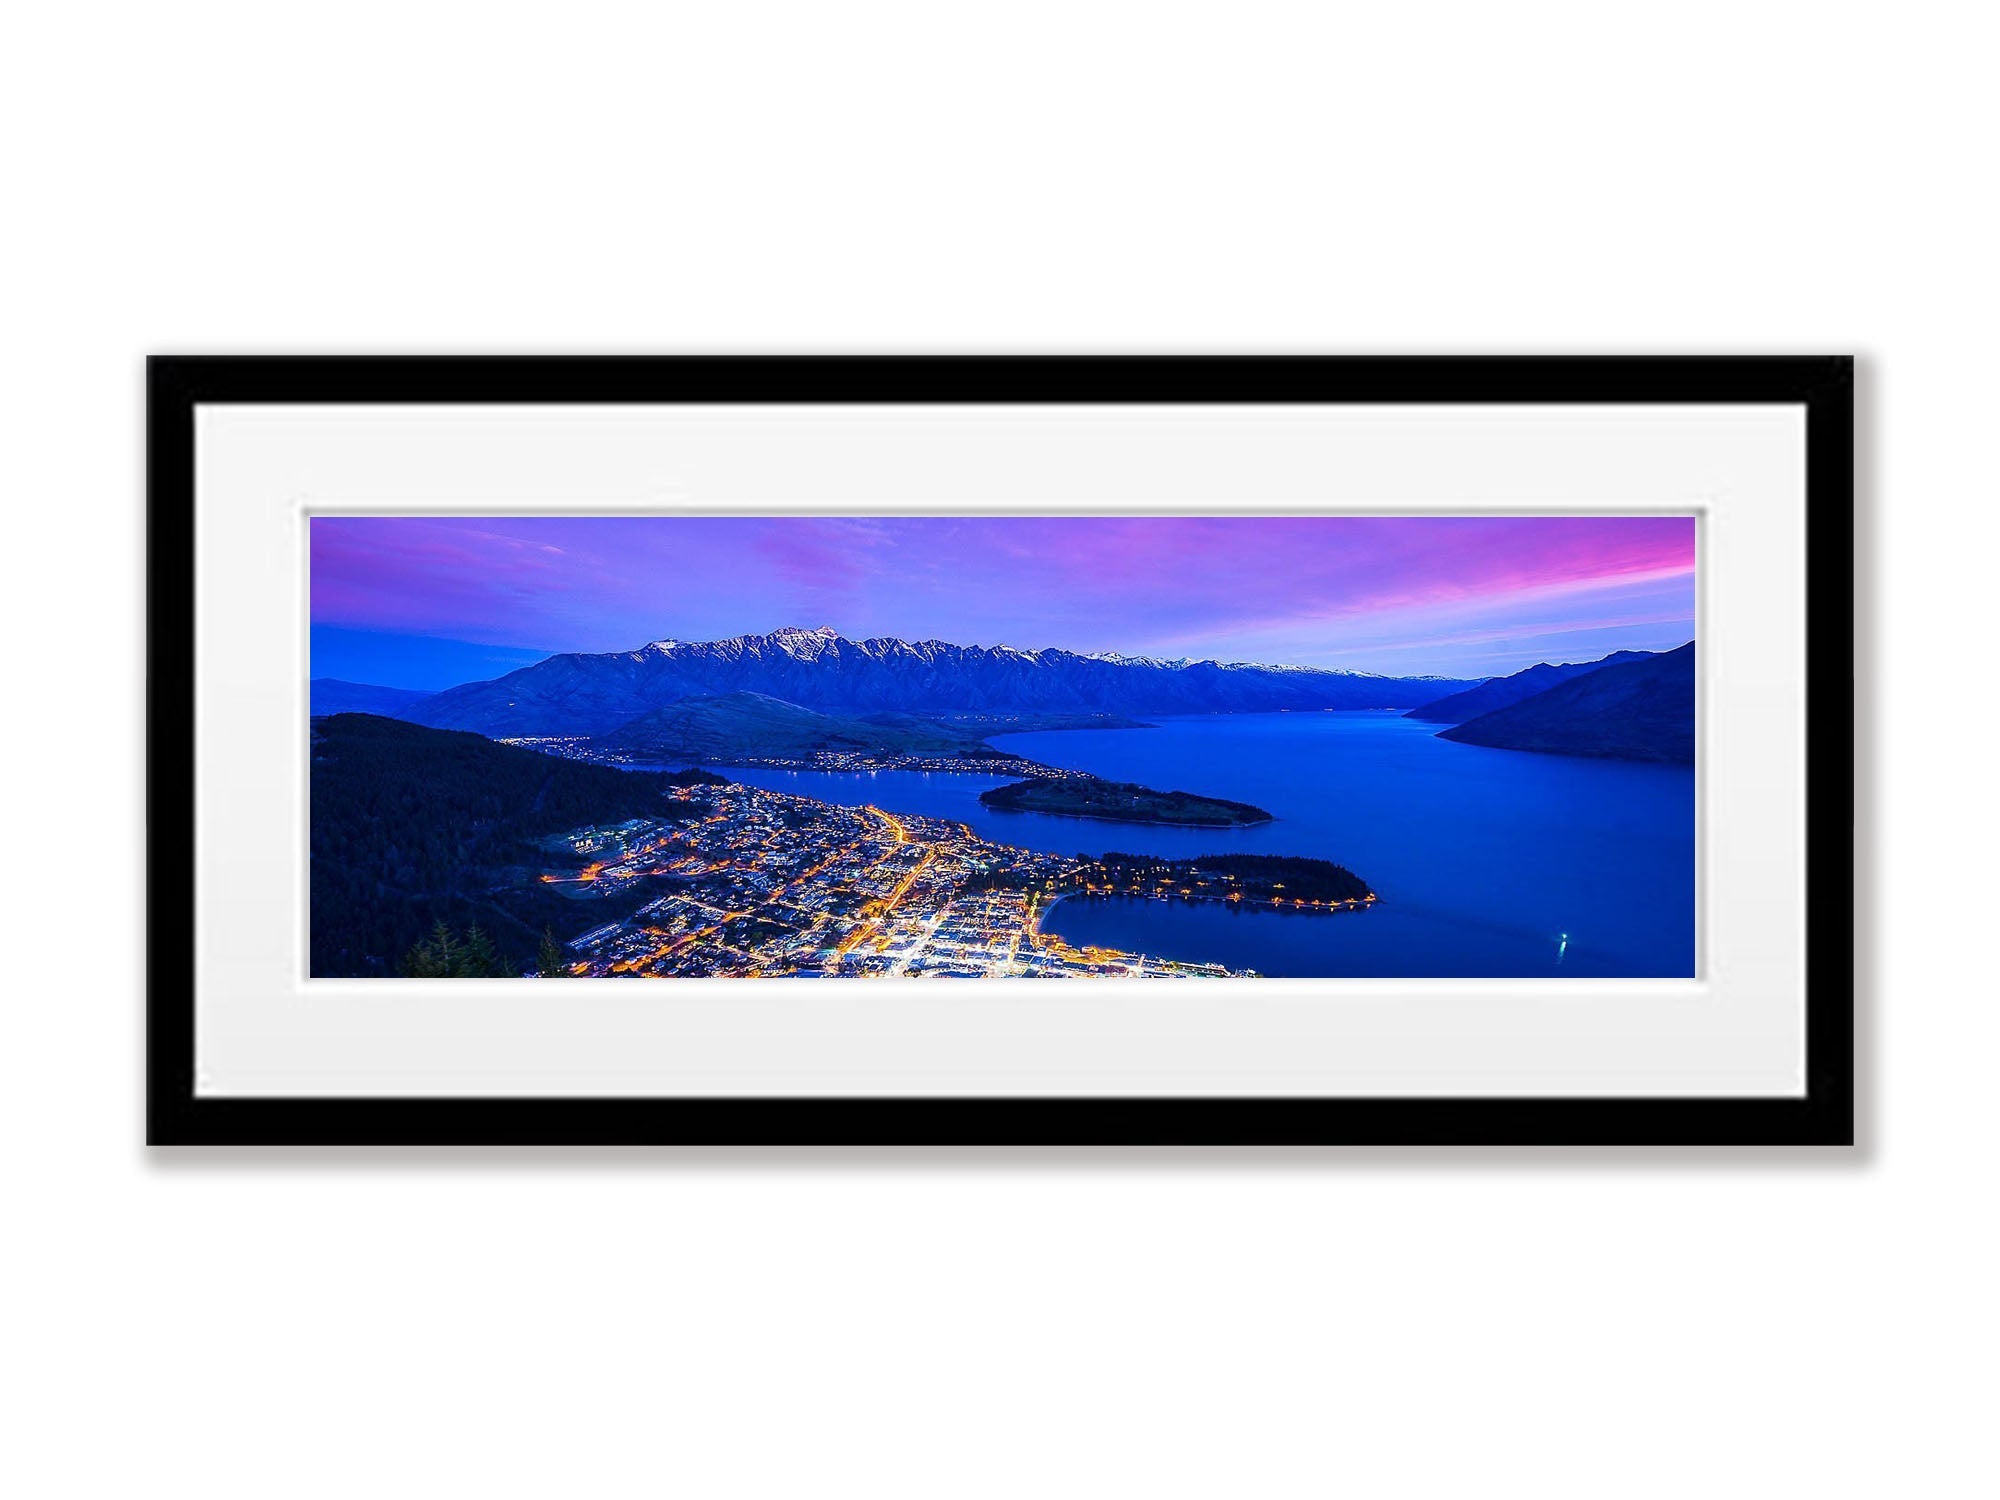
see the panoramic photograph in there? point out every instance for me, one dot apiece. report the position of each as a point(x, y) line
point(1003, 747)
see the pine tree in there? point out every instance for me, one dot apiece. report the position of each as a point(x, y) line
point(478, 958)
point(433, 958)
point(444, 949)
point(550, 961)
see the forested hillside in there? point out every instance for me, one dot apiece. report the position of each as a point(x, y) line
point(413, 826)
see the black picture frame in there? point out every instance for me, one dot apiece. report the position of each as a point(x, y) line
point(1823, 1115)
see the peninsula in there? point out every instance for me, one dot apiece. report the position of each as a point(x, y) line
point(1119, 802)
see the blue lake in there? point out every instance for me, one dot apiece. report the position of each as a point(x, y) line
point(1484, 859)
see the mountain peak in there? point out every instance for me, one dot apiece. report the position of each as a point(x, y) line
point(1120, 659)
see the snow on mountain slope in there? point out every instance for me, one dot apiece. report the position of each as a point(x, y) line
point(823, 670)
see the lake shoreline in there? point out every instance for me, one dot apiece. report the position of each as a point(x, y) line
point(1276, 904)
point(1487, 857)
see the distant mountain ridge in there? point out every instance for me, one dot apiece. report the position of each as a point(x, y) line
point(1638, 710)
point(1505, 692)
point(591, 694)
point(329, 695)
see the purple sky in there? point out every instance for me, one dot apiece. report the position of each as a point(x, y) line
point(1463, 596)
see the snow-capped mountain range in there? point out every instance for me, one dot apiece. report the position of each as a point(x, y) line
point(589, 694)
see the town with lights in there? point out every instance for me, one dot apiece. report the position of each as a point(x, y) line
point(744, 882)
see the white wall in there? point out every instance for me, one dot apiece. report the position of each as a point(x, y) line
point(1527, 177)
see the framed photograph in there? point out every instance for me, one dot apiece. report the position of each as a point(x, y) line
point(1001, 751)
